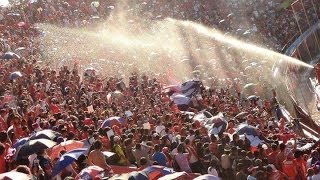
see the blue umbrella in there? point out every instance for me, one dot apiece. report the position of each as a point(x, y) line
point(15, 75)
point(247, 129)
point(20, 142)
point(157, 171)
point(46, 134)
point(66, 159)
point(113, 121)
point(34, 146)
point(10, 55)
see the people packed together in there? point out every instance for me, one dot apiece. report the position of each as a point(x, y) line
point(66, 124)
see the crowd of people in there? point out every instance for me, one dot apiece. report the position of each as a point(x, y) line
point(154, 131)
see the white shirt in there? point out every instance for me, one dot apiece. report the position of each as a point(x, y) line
point(316, 177)
point(161, 130)
point(212, 171)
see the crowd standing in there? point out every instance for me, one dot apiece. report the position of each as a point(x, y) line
point(155, 131)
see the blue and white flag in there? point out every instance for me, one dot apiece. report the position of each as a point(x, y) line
point(190, 88)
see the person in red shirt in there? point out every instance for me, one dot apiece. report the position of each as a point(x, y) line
point(2, 158)
point(274, 174)
point(301, 164)
point(272, 156)
point(290, 167)
point(3, 124)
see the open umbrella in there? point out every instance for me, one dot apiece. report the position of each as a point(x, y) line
point(67, 159)
point(155, 172)
point(91, 173)
point(115, 96)
point(46, 134)
point(90, 72)
point(21, 51)
point(241, 115)
point(247, 129)
point(207, 177)
point(138, 175)
point(113, 121)
point(14, 175)
point(20, 142)
point(249, 88)
point(253, 98)
point(65, 146)
point(13, 14)
point(10, 55)
point(177, 176)
point(34, 146)
point(15, 75)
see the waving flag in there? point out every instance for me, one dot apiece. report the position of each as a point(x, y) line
point(181, 95)
point(190, 88)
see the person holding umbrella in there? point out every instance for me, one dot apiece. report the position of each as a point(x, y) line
point(44, 163)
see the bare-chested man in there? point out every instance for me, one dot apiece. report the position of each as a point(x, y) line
point(97, 158)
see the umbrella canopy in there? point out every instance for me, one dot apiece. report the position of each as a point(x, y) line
point(248, 88)
point(138, 175)
point(65, 146)
point(20, 142)
point(155, 172)
point(247, 129)
point(13, 14)
point(14, 175)
point(67, 159)
point(90, 72)
point(10, 55)
point(91, 173)
point(15, 75)
point(253, 98)
point(34, 146)
point(113, 121)
point(115, 96)
point(207, 177)
point(46, 134)
point(21, 51)
point(241, 115)
point(176, 176)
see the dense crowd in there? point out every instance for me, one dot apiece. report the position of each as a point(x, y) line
point(152, 130)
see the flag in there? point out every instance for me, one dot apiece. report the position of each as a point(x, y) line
point(304, 117)
point(190, 88)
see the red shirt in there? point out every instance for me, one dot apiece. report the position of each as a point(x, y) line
point(3, 125)
point(289, 167)
point(87, 121)
point(272, 157)
point(3, 162)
